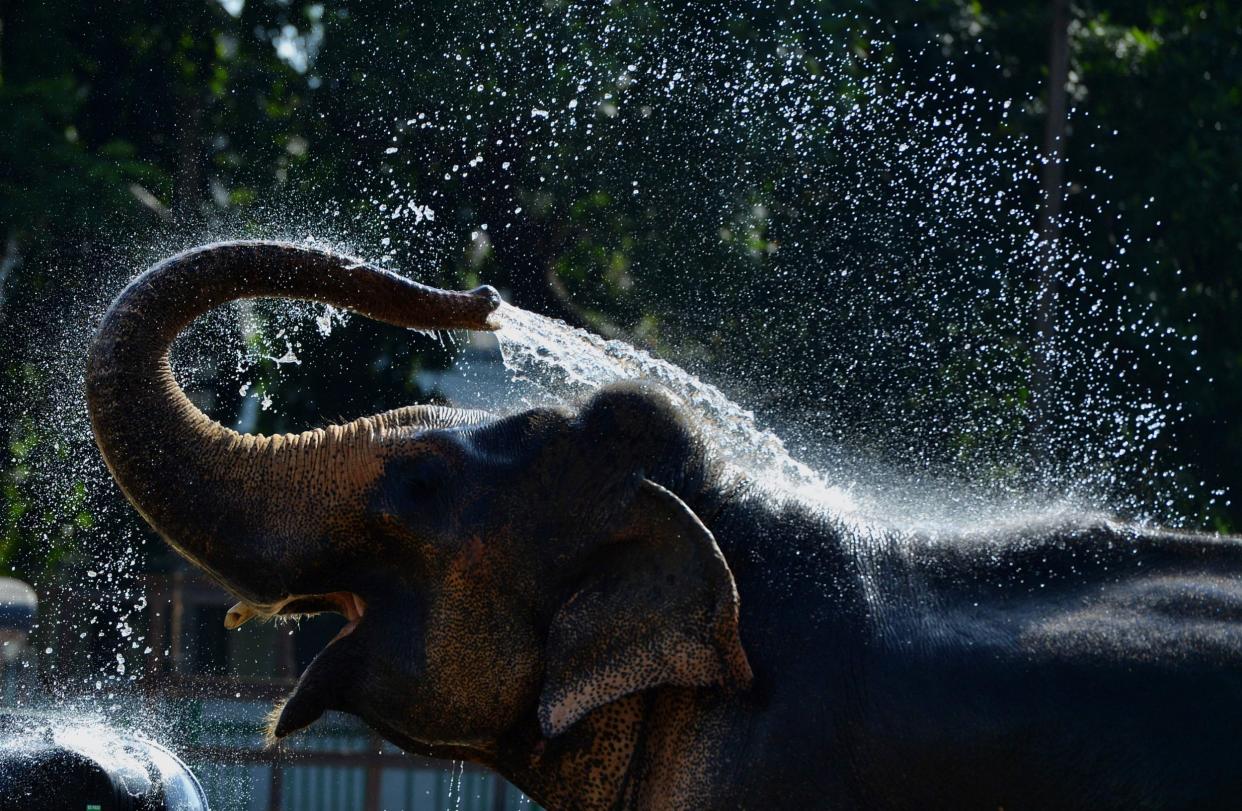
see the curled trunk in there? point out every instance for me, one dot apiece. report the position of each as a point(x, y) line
point(255, 511)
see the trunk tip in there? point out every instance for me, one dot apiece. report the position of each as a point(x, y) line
point(490, 297)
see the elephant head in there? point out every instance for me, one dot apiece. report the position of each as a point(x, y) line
point(503, 577)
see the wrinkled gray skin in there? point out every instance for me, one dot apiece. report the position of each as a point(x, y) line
point(582, 600)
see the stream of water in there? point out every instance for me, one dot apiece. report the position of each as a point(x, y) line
point(565, 364)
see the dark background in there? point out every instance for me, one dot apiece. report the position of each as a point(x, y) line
point(129, 129)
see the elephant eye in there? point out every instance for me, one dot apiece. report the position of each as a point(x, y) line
point(415, 494)
point(419, 486)
point(424, 477)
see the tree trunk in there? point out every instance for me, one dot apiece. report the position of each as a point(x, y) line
point(9, 260)
point(4, 14)
point(188, 177)
point(191, 102)
point(1052, 182)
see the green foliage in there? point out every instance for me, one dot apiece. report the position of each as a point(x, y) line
point(1156, 139)
point(127, 119)
point(37, 528)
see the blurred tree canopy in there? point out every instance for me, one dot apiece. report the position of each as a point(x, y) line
point(127, 120)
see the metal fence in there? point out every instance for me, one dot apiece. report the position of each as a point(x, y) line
point(336, 765)
point(206, 694)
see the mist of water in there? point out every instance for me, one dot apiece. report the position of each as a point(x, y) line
point(794, 170)
point(560, 363)
point(886, 216)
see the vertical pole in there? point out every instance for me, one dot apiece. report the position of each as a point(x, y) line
point(276, 789)
point(158, 606)
point(286, 655)
point(190, 105)
point(371, 794)
point(66, 644)
point(177, 620)
point(4, 15)
point(1052, 182)
point(500, 793)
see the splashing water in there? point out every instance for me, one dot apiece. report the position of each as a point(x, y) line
point(850, 253)
point(131, 747)
point(565, 363)
point(844, 260)
point(845, 253)
point(554, 362)
point(457, 784)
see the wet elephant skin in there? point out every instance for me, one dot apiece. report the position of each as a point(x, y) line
point(590, 602)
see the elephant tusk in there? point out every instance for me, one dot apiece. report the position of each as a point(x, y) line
point(346, 603)
point(238, 616)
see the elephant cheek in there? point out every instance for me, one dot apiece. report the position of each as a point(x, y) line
point(483, 670)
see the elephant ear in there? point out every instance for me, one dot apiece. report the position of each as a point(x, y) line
point(657, 605)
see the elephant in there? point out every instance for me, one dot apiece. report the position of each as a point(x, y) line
point(591, 601)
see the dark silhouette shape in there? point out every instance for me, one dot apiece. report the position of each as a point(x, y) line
point(589, 602)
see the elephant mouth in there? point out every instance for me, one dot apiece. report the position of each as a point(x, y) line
point(346, 603)
point(325, 683)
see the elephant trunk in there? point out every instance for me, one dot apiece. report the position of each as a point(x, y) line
point(257, 512)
